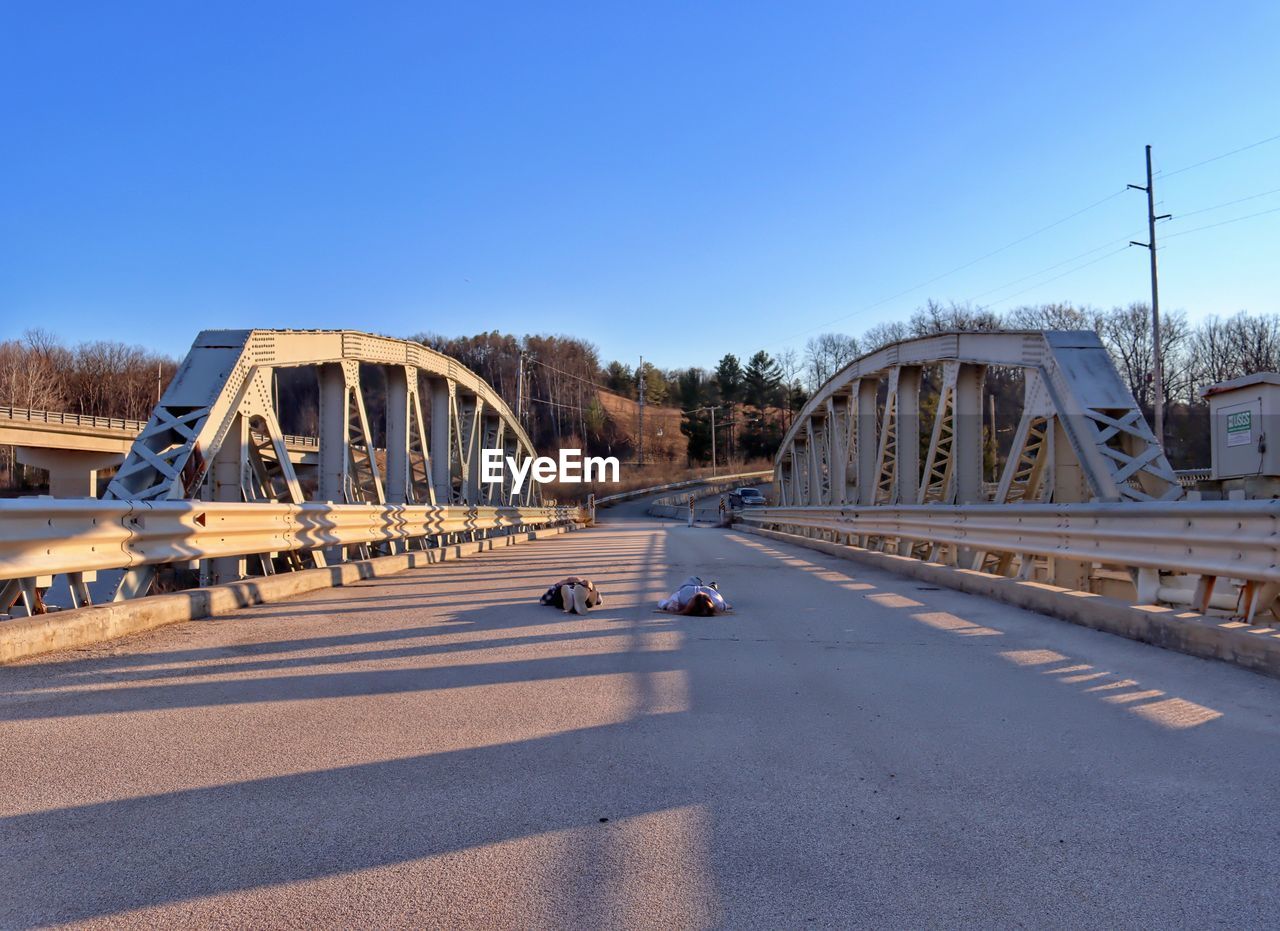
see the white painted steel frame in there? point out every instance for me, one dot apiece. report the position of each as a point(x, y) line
point(847, 446)
point(215, 436)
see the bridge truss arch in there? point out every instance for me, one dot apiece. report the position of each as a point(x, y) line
point(212, 482)
point(1081, 436)
point(216, 430)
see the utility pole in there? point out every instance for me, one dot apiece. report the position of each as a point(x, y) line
point(711, 409)
point(520, 391)
point(640, 377)
point(713, 442)
point(1157, 370)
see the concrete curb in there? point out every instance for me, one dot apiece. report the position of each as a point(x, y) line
point(1255, 648)
point(98, 624)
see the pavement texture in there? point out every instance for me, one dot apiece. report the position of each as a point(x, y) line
point(848, 749)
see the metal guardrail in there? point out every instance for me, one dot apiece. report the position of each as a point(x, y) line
point(1228, 539)
point(40, 537)
point(687, 483)
point(1189, 478)
point(675, 505)
point(63, 418)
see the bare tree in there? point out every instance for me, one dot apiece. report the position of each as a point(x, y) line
point(1126, 332)
point(1255, 342)
point(882, 334)
point(827, 354)
point(935, 317)
point(31, 372)
point(1053, 317)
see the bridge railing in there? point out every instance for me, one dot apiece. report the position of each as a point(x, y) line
point(44, 537)
point(63, 418)
point(1236, 540)
point(87, 422)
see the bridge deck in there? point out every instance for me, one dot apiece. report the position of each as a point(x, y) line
point(436, 749)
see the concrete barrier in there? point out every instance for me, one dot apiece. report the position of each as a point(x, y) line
point(65, 630)
point(1255, 648)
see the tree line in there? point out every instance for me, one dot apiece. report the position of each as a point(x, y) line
point(98, 379)
point(555, 381)
point(1193, 355)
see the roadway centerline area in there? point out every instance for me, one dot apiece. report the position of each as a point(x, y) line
point(849, 748)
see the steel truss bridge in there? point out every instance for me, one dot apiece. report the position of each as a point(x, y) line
point(210, 479)
point(1086, 491)
point(887, 456)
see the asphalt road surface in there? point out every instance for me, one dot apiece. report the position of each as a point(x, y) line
point(848, 749)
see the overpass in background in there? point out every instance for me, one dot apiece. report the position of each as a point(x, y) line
point(74, 448)
point(894, 727)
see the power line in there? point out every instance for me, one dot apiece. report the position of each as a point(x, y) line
point(1048, 268)
point(1243, 148)
point(1055, 223)
point(1229, 203)
point(1209, 226)
point(1113, 242)
point(568, 407)
point(546, 365)
point(1070, 271)
point(960, 268)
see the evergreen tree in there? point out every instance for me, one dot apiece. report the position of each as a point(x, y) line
point(655, 384)
point(729, 380)
point(762, 381)
point(617, 378)
point(729, 384)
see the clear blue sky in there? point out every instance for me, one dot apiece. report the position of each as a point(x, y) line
point(674, 180)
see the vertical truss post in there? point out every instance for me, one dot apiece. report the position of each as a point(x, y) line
point(907, 471)
point(967, 454)
point(838, 447)
point(865, 439)
point(796, 466)
point(1070, 484)
point(442, 392)
point(229, 467)
point(335, 457)
point(399, 418)
point(815, 468)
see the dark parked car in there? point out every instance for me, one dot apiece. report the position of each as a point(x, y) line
point(746, 498)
